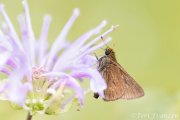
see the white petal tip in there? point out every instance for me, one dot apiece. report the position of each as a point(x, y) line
point(76, 11)
point(114, 27)
point(28, 101)
point(23, 1)
point(20, 16)
point(47, 17)
point(1, 7)
point(108, 39)
point(41, 101)
point(34, 101)
point(104, 22)
point(51, 91)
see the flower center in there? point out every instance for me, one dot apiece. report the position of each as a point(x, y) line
point(37, 73)
point(37, 98)
point(40, 83)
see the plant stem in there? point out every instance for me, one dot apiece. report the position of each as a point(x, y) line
point(29, 116)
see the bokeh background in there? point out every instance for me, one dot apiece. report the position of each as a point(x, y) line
point(147, 44)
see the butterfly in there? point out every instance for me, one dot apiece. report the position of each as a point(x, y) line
point(120, 85)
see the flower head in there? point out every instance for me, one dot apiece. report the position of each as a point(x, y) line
point(46, 79)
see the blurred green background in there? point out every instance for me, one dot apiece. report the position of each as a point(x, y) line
point(147, 44)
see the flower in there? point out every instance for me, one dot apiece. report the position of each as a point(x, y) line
point(47, 79)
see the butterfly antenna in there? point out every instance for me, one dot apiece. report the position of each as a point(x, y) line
point(104, 42)
point(96, 56)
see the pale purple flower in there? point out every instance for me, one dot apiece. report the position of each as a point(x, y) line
point(43, 78)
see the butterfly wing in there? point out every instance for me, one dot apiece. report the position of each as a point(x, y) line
point(119, 83)
point(114, 88)
point(132, 89)
point(110, 73)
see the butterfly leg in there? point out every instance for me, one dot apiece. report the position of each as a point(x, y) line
point(96, 95)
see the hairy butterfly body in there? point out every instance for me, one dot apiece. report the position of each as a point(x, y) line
point(120, 85)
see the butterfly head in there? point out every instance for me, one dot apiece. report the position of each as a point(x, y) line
point(108, 51)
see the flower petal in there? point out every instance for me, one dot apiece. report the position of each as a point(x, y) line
point(97, 83)
point(4, 56)
point(17, 91)
point(11, 27)
point(60, 41)
point(43, 43)
point(69, 81)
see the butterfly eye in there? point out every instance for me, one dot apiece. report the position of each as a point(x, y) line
point(107, 51)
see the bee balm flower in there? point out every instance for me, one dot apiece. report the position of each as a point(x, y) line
point(46, 79)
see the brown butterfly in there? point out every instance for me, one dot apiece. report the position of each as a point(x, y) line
point(120, 85)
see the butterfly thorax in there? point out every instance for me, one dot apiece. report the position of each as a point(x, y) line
point(110, 54)
point(107, 59)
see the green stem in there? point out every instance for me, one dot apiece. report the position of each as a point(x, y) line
point(29, 116)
